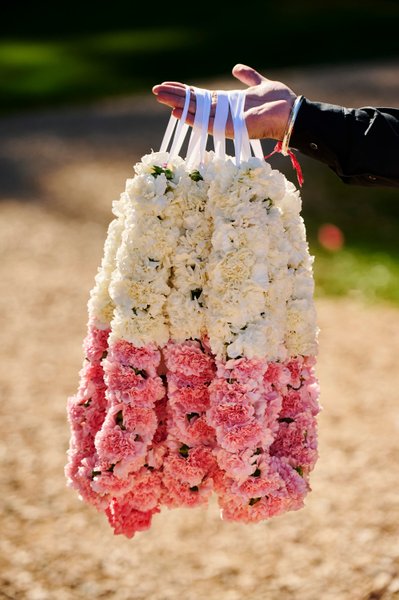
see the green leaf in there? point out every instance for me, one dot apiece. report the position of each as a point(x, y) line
point(195, 488)
point(183, 451)
point(157, 170)
point(140, 372)
point(95, 473)
point(104, 354)
point(196, 176)
point(256, 473)
point(299, 470)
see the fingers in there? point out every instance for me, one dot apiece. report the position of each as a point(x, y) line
point(176, 100)
point(247, 75)
point(175, 96)
point(168, 84)
point(177, 112)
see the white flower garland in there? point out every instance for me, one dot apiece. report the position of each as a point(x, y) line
point(231, 238)
point(100, 305)
point(185, 304)
point(139, 284)
point(260, 289)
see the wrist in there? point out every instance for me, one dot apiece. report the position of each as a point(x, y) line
point(290, 124)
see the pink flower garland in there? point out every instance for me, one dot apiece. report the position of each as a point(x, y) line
point(86, 412)
point(245, 428)
point(264, 415)
point(128, 461)
point(189, 465)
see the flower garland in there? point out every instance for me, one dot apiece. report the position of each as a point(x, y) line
point(189, 463)
point(86, 410)
point(204, 349)
point(260, 280)
point(128, 458)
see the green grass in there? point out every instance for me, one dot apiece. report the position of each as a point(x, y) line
point(367, 275)
point(37, 73)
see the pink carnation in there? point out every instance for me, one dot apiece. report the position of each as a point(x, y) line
point(95, 343)
point(106, 481)
point(297, 440)
point(254, 487)
point(189, 360)
point(79, 473)
point(144, 395)
point(296, 486)
point(139, 420)
point(234, 509)
point(114, 445)
point(240, 437)
point(121, 378)
point(278, 374)
point(126, 520)
point(238, 466)
point(91, 379)
point(295, 368)
point(146, 490)
point(191, 399)
point(155, 456)
point(191, 468)
point(176, 493)
point(145, 358)
point(230, 414)
point(299, 401)
point(247, 371)
point(272, 411)
point(192, 431)
point(223, 390)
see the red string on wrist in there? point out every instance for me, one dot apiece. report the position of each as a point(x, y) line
point(294, 161)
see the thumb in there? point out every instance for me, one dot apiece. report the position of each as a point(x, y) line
point(247, 75)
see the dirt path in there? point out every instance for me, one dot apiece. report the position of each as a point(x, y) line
point(60, 173)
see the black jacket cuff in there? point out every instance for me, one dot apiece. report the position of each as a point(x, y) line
point(360, 145)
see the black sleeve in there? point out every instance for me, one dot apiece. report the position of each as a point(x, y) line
point(361, 145)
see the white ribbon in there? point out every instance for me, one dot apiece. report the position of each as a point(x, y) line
point(199, 135)
point(219, 124)
point(235, 100)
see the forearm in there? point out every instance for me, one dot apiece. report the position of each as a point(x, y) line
point(360, 145)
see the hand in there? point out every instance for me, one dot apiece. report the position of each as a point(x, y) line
point(267, 104)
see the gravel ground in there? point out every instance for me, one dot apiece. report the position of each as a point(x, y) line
point(59, 172)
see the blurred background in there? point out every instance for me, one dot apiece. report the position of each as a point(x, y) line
point(76, 113)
